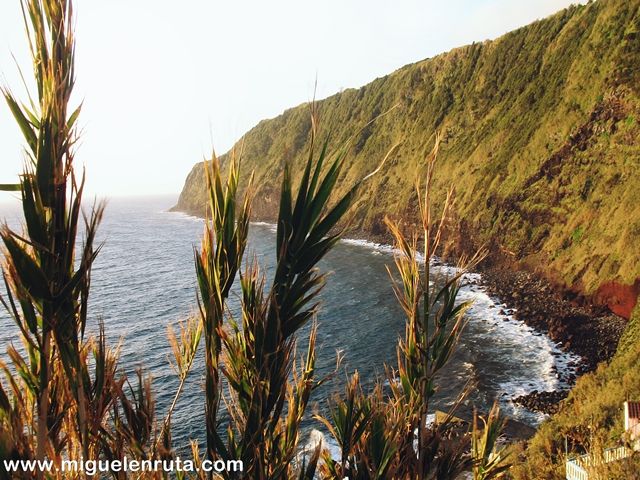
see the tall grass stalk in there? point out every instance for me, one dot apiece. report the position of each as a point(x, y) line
point(388, 433)
point(217, 264)
point(41, 271)
point(64, 395)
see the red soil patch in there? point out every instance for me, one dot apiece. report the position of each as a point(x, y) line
point(621, 299)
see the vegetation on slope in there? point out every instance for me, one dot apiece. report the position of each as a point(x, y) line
point(591, 417)
point(540, 139)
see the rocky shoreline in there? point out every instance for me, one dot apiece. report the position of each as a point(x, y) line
point(589, 331)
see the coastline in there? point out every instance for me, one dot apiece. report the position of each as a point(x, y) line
point(590, 334)
point(577, 326)
point(589, 331)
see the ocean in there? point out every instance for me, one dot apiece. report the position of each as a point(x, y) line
point(144, 280)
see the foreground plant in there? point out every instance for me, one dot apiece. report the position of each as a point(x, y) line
point(389, 433)
point(64, 398)
point(47, 287)
point(268, 391)
point(223, 246)
point(490, 459)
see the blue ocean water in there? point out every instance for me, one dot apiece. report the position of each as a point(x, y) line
point(144, 280)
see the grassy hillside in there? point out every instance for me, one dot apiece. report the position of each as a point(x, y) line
point(540, 135)
point(591, 415)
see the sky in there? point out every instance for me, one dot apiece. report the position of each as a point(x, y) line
point(164, 81)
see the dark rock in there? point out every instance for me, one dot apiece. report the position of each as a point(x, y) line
point(544, 402)
point(586, 330)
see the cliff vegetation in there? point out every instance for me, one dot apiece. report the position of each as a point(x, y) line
point(540, 133)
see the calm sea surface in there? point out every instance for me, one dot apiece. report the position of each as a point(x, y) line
point(144, 280)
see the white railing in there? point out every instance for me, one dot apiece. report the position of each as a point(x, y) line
point(613, 454)
point(576, 467)
point(575, 471)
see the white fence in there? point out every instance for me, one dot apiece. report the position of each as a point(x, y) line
point(576, 468)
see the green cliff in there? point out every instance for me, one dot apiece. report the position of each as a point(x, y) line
point(540, 132)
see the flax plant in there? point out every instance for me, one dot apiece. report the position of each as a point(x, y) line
point(268, 390)
point(217, 264)
point(434, 323)
point(184, 349)
point(435, 320)
point(490, 459)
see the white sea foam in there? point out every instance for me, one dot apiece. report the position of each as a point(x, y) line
point(317, 437)
point(377, 247)
point(493, 323)
point(271, 226)
point(185, 216)
point(547, 365)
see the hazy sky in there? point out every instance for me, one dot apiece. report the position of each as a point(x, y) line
point(160, 78)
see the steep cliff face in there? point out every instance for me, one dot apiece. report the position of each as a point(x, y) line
point(540, 133)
